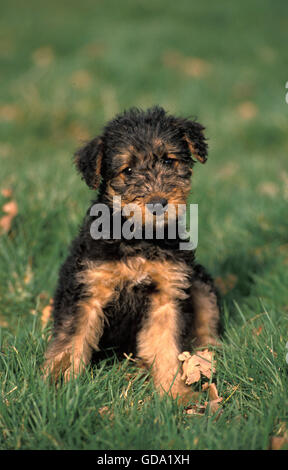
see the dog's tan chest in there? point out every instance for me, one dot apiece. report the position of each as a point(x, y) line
point(107, 277)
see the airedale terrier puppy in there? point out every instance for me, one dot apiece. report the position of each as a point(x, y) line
point(142, 296)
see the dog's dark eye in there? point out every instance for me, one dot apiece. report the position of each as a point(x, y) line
point(127, 171)
point(168, 161)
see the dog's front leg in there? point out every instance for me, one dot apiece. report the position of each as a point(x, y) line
point(157, 347)
point(79, 334)
point(158, 340)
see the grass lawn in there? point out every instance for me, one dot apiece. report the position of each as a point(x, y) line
point(67, 67)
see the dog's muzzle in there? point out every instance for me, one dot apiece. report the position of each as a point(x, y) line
point(157, 205)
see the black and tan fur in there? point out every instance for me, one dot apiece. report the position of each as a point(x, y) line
point(147, 297)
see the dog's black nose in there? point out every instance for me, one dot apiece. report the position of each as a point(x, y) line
point(157, 204)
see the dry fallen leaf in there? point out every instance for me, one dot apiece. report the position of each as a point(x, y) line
point(278, 442)
point(103, 410)
point(3, 322)
point(271, 350)
point(196, 67)
point(79, 132)
point(28, 273)
point(10, 112)
point(194, 366)
point(247, 110)
point(191, 66)
point(5, 224)
point(257, 331)
point(225, 284)
point(214, 398)
point(268, 189)
point(11, 210)
point(196, 410)
point(81, 79)
point(106, 411)
point(227, 171)
point(6, 192)
point(46, 314)
point(212, 404)
point(43, 57)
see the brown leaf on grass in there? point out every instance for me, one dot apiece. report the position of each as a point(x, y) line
point(278, 442)
point(247, 110)
point(194, 366)
point(5, 224)
point(78, 132)
point(196, 67)
point(6, 192)
point(227, 171)
point(225, 284)
point(214, 398)
point(196, 410)
point(257, 331)
point(271, 351)
point(106, 411)
point(103, 410)
point(46, 314)
point(43, 57)
point(212, 404)
point(212, 390)
point(81, 79)
point(43, 296)
point(191, 66)
point(10, 112)
point(11, 210)
point(268, 189)
point(3, 322)
point(28, 273)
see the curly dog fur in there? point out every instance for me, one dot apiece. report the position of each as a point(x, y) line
point(142, 296)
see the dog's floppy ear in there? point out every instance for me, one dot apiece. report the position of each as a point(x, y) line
point(88, 161)
point(194, 136)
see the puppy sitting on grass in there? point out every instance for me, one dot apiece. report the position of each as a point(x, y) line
point(145, 296)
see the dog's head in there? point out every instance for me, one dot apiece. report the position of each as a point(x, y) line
point(146, 157)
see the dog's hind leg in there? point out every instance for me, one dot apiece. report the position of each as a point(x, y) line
point(69, 354)
point(70, 349)
point(205, 309)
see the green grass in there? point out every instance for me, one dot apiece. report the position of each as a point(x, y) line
point(65, 69)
